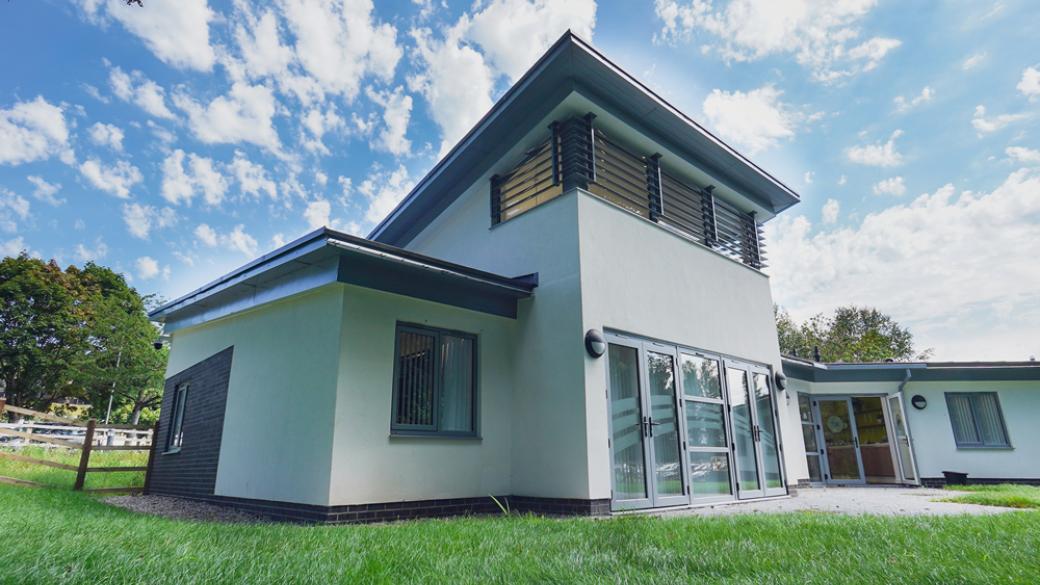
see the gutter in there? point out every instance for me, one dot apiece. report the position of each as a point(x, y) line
point(906, 380)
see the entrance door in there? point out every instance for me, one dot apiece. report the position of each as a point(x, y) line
point(906, 466)
point(645, 442)
point(756, 447)
point(841, 443)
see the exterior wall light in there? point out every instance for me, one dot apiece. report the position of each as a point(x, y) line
point(780, 380)
point(918, 402)
point(594, 343)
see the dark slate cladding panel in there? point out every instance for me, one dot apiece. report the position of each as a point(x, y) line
point(192, 472)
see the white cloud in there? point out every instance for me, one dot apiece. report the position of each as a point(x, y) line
point(808, 177)
point(252, 178)
point(244, 115)
point(176, 32)
point(140, 219)
point(135, 88)
point(904, 104)
point(260, 43)
point(384, 190)
point(877, 154)
point(239, 241)
point(13, 208)
point(201, 176)
point(1029, 85)
point(31, 131)
point(14, 247)
point(920, 262)
point(842, 180)
point(974, 60)
point(515, 33)
point(339, 43)
point(830, 211)
point(317, 213)
point(1023, 155)
point(987, 125)
point(821, 34)
point(455, 107)
point(44, 191)
point(147, 268)
point(317, 124)
point(755, 120)
point(98, 252)
point(892, 186)
point(397, 110)
point(206, 235)
point(116, 180)
point(107, 135)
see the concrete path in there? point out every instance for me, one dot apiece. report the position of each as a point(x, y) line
point(886, 501)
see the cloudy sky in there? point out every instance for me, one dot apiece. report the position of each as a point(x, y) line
point(176, 141)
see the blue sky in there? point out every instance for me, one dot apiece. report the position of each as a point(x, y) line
point(177, 141)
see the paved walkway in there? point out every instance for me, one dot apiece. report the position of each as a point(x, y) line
point(886, 501)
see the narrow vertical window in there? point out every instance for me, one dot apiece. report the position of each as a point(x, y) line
point(175, 437)
point(435, 382)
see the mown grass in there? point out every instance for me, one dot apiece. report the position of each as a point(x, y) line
point(1007, 495)
point(59, 536)
point(61, 478)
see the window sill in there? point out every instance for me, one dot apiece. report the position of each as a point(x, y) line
point(172, 451)
point(428, 435)
point(985, 448)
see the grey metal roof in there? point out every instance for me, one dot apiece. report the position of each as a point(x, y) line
point(572, 64)
point(811, 371)
point(325, 256)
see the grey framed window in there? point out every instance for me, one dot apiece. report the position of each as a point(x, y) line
point(977, 420)
point(435, 382)
point(812, 448)
point(175, 437)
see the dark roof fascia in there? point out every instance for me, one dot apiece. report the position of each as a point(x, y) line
point(920, 371)
point(383, 258)
point(565, 67)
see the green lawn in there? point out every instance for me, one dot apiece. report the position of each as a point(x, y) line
point(63, 478)
point(59, 536)
point(1006, 495)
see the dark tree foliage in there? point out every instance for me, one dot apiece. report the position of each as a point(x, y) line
point(79, 333)
point(851, 334)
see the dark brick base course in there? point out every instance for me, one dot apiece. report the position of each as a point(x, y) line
point(413, 510)
point(938, 482)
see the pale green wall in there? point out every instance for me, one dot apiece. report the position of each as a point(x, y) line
point(370, 466)
point(277, 441)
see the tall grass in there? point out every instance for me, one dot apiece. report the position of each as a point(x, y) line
point(60, 478)
point(1006, 495)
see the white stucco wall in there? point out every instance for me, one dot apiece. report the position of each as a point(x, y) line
point(277, 441)
point(931, 432)
point(549, 451)
point(642, 279)
point(370, 466)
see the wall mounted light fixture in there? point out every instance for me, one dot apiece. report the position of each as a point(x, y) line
point(595, 344)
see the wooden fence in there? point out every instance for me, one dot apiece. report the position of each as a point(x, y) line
point(73, 434)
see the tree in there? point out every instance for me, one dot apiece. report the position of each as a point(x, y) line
point(851, 334)
point(79, 333)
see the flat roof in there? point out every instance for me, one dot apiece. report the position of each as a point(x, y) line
point(324, 256)
point(572, 64)
point(812, 371)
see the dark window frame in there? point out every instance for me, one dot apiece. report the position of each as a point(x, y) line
point(972, 397)
point(175, 436)
point(412, 430)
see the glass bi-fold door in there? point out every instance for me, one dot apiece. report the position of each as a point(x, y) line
point(645, 430)
point(755, 441)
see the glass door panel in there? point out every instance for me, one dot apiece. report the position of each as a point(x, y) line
point(707, 439)
point(740, 404)
point(664, 429)
point(902, 437)
point(839, 438)
point(812, 448)
point(628, 448)
point(768, 441)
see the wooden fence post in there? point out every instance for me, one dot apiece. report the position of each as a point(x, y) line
point(84, 458)
point(151, 459)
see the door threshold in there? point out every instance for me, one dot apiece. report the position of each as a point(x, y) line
point(642, 511)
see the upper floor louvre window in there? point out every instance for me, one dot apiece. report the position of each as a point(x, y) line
point(577, 153)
